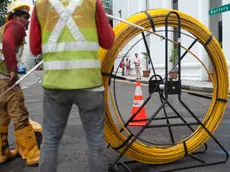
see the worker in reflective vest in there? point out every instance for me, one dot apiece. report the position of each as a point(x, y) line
point(12, 106)
point(69, 38)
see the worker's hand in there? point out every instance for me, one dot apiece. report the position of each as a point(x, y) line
point(13, 78)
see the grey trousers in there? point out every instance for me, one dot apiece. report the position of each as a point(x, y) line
point(56, 106)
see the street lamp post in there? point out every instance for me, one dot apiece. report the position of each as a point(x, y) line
point(120, 13)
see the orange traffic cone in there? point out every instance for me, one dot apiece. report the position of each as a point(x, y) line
point(138, 101)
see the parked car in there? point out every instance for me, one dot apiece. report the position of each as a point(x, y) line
point(21, 68)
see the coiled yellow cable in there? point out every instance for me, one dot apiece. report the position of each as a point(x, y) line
point(165, 154)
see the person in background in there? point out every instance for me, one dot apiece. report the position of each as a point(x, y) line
point(12, 106)
point(69, 46)
point(137, 62)
point(123, 67)
point(127, 64)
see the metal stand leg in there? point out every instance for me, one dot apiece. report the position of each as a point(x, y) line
point(168, 89)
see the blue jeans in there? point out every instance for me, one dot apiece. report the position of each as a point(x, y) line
point(56, 106)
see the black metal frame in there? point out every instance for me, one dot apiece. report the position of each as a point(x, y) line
point(170, 87)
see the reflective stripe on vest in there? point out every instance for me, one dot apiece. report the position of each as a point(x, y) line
point(66, 19)
point(71, 64)
point(70, 46)
point(1, 55)
point(3, 69)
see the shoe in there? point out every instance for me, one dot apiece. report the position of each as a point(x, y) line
point(27, 145)
point(36, 126)
point(5, 153)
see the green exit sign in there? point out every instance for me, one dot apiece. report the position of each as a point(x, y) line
point(220, 9)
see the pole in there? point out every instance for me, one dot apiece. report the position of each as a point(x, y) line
point(121, 20)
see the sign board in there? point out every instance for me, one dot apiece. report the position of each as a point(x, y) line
point(220, 9)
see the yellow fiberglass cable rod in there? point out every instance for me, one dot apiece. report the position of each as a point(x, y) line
point(161, 36)
point(124, 33)
point(164, 154)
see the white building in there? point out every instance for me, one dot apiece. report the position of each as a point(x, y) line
point(218, 24)
point(27, 58)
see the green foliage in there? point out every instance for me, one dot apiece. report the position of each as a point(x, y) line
point(146, 56)
point(107, 4)
point(3, 11)
point(1, 1)
point(174, 55)
point(174, 59)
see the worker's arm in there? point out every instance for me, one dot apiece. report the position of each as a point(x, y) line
point(35, 35)
point(13, 37)
point(105, 32)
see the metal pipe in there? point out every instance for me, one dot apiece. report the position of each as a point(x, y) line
point(121, 20)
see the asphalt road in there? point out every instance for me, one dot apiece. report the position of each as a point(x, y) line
point(73, 149)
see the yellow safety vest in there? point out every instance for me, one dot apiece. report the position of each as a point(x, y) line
point(3, 69)
point(69, 44)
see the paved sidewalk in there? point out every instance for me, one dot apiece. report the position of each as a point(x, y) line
point(203, 86)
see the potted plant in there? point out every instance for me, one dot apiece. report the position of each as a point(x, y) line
point(146, 57)
point(173, 60)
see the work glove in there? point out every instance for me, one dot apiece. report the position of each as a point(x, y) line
point(13, 78)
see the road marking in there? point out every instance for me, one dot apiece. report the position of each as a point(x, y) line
point(220, 152)
point(38, 81)
point(34, 101)
point(24, 88)
point(226, 122)
point(225, 135)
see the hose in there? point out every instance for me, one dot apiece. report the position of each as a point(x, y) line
point(164, 154)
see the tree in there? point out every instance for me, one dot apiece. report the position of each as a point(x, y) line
point(3, 11)
point(146, 56)
point(107, 4)
point(174, 57)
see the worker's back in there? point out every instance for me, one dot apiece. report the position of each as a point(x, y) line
point(69, 44)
